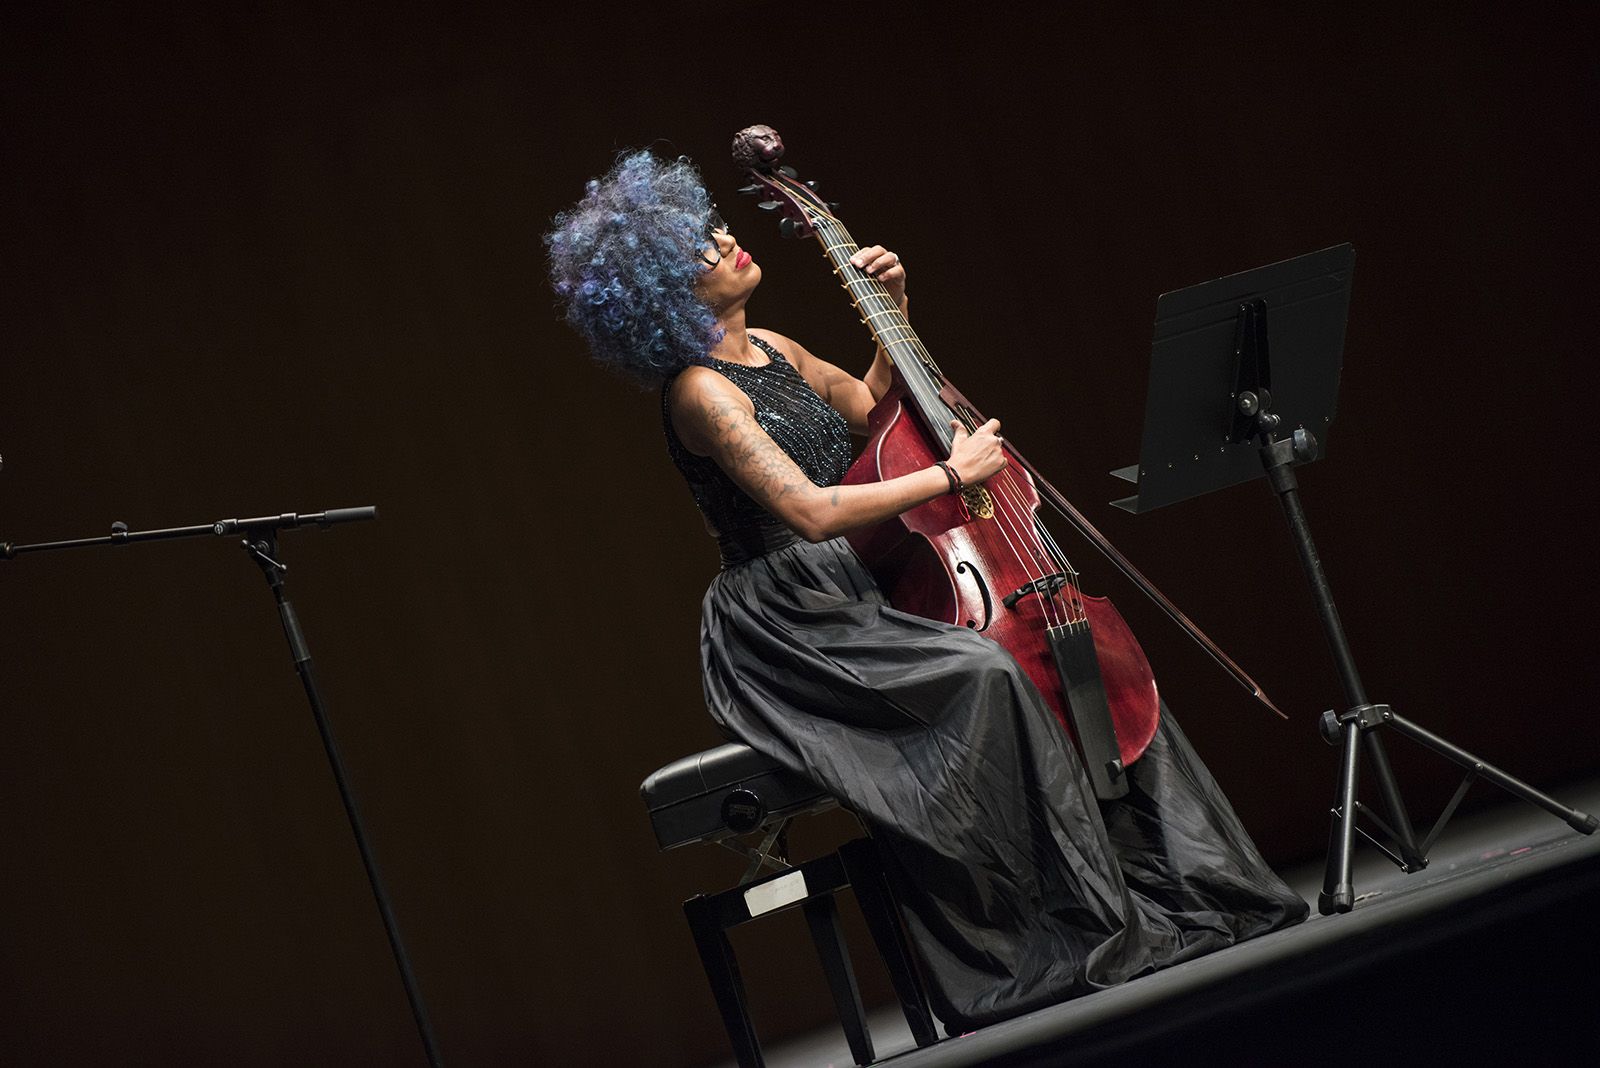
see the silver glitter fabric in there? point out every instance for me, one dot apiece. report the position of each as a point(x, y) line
point(803, 425)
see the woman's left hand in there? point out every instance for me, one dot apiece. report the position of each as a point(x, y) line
point(886, 267)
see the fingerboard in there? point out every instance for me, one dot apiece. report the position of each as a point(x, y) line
point(888, 326)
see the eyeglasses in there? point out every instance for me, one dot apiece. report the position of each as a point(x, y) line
point(716, 230)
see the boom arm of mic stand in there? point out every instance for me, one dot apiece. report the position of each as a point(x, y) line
point(261, 542)
point(293, 519)
point(120, 534)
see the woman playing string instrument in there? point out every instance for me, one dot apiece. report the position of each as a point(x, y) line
point(1018, 888)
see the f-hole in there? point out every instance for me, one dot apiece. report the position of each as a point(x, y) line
point(983, 587)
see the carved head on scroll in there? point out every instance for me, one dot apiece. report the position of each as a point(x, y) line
point(756, 151)
point(757, 148)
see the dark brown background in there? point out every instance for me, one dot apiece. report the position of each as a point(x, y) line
point(281, 258)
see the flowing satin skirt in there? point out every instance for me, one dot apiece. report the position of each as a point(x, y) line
point(1018, 888)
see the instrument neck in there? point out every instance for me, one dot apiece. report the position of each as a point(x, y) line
point(890, 329)
point(924, 384)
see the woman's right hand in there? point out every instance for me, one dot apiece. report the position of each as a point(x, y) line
point(979, 456)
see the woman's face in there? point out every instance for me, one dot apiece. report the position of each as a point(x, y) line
point(728, 273)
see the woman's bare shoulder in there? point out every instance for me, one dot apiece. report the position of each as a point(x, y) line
point(697, 383)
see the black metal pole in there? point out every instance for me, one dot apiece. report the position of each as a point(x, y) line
point(1338, 892)
point(1358, 723)
point(1338, 884)
point(1578, 821)
point(261, 542)
point(263, 548)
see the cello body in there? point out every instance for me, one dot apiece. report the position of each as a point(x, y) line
point(981, 558)
point(940, 561)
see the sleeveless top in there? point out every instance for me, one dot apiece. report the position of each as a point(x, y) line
point(797, 418)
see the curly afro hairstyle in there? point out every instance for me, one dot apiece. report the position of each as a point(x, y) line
point(624, 261)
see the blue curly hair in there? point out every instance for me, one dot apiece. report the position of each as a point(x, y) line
point(624, 261)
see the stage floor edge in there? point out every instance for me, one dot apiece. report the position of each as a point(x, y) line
point(1490, 954)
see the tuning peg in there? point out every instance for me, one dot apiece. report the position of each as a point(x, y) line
point(769, 205)
point(786, 226)
point(811, 184)
point(788, 172)
point(749, 190)
point(833, 205)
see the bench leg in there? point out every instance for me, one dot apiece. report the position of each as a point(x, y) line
point(722, 970)
point(866, 876)
point(822, 915)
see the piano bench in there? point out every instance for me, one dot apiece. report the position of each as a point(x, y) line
point(723, 793)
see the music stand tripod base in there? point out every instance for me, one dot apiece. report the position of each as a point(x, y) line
point(1215, 397)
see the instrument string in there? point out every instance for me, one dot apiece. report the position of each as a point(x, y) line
point(1007, 487)
point(1011, 515)
point(1041, 560)
point(819, 217)
point(1012, 510)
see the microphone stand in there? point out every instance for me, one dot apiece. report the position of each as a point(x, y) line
point(260, 542)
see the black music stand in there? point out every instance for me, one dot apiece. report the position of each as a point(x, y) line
point(1215, 408)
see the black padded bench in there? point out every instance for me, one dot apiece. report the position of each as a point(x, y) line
point(723, 793)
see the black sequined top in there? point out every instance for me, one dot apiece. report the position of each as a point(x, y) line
point(801, 422)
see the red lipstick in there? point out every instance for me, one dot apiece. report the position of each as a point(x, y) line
point(741, 261)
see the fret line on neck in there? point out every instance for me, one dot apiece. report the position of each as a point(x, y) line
point(888, 326)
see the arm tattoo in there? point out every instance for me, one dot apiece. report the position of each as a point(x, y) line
point(752, 454)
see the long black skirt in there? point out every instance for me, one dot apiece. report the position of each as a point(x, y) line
point(1019, 889)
